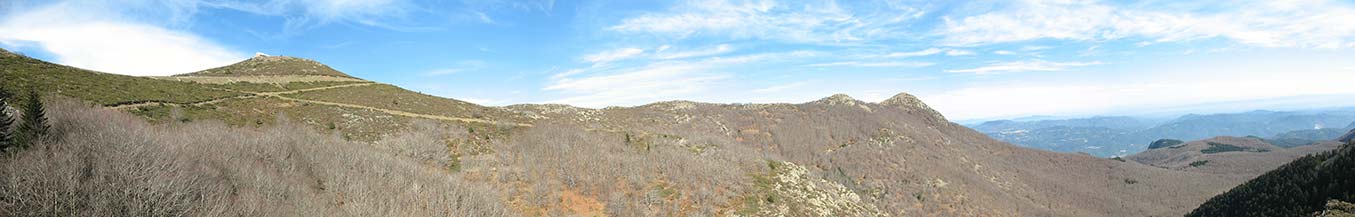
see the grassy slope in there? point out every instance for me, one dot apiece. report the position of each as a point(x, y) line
point(272, 65)
point(395, 98)
point(21, 73)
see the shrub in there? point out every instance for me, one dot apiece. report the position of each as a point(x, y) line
point(1162, 143)
point(1199, 163)
point(34, 125)
point(106, 163)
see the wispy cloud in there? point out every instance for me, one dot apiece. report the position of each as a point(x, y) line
point(954, 52)
point(783, 87)
point(613, 55)
point(664, 53)
point(1024, 66)
point(652, 82)
point(872, 64)
point(927, 52)
point(638, 83)
point(100, 40)
point(819, 22)
point(1314, 24)
point(304, 14)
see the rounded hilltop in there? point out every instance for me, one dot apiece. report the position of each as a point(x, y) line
point(267, 65)
point(909, 103)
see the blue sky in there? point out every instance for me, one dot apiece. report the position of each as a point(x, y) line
point(969, 60)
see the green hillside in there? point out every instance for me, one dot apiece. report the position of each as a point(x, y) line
point(21, 73)
point(256, 92)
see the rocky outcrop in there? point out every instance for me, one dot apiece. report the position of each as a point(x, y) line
point(911, 104)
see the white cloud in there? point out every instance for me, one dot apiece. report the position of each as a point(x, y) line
point(654, 82)
point(636, 84)
point(613, 55)
point(716, 50)
point(927, 52)
point(1024, 66)
point(1312, 24)
point(872, 64)
point(954, 52)
point(1034, 48)
point(93, 39)
point(1004, 52)
point(821, 22)
point(306, 13)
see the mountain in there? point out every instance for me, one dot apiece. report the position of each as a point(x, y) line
point(1087, 135)
point(1109, 122)
point(1119, 136)
point(1306, 137)
point(1246, 156)
point(1348, 137)
point(1303, 187)
point(283, 146)
point(265, 65)
point(1255, 123)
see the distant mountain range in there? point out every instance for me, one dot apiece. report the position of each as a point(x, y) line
point(1120, 135)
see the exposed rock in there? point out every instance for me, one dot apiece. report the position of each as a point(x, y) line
point(842, 100)
point(790, 190)
point(838, 99)
point(911, 104)
point(1336, 208)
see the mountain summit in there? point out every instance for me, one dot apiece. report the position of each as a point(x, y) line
point(912, 104)
point(266, 65)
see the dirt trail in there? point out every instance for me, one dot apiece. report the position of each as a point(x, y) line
point(280, 93)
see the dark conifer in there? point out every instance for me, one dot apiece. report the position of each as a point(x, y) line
point(6, 121)
point(34, 125)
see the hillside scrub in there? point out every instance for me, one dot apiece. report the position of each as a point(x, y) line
point(1299, 188)
point(99, 162)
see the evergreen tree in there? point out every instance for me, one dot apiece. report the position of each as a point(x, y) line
point(6, 122)
point(34, 125)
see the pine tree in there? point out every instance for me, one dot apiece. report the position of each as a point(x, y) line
point(6, 122)
point(34, 125)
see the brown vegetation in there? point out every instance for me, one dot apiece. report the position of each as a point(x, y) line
point(104, 163)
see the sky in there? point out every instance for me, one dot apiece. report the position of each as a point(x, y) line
point(970, 60)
